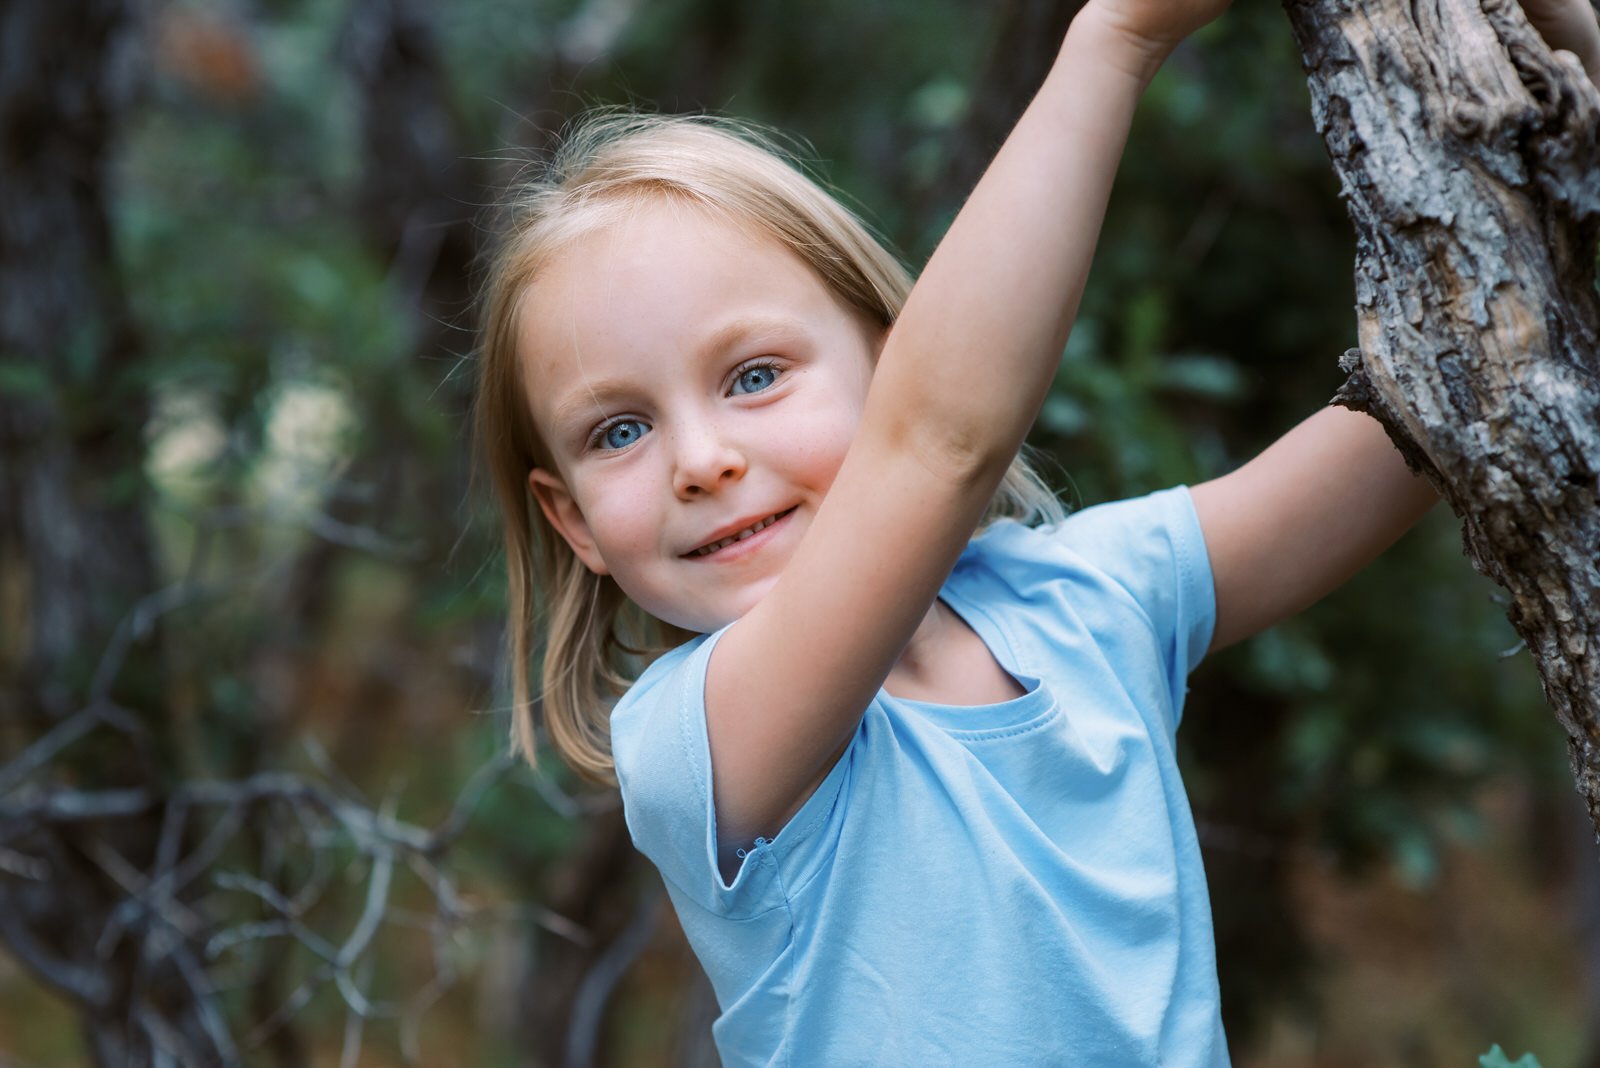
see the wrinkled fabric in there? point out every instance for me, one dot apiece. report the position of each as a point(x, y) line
point(1017, 883)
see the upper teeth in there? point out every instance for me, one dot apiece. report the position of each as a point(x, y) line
point(706, 550)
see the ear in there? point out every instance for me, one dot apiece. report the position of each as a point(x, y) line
point(563, 513)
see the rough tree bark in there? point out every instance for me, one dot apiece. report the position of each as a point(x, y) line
point(1468, 158)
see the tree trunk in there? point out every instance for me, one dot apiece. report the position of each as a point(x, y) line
point(1468, 158)
point(75, 553)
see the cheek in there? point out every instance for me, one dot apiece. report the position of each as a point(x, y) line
point(624, 521)
point(820, 444)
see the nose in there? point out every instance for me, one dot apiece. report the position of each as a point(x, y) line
point(705, 460)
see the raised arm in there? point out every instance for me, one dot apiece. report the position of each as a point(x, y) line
point(959, 380)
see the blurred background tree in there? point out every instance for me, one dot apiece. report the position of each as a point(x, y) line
point(252, 805)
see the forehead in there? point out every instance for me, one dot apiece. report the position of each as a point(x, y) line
point(643, 294)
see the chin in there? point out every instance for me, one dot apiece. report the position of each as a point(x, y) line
point(704, 617)
point(692, 619)
point(714, 618)
point(747, 599)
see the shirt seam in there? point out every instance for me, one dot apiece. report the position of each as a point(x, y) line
point(805, 830)
point(794, 955)
point(764, 849)
point(1192, 588)
point(1000, 734)
point(1017, 654)
point(721, 914)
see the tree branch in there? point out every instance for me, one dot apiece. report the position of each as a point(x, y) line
point(1469, 159)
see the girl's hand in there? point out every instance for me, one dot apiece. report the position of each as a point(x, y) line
point(1156, 26)
point(1568, 26)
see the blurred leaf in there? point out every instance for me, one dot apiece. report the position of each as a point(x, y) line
point(1496, 1058)
point(1215, 377)
point(23, 379)
point(939, 104)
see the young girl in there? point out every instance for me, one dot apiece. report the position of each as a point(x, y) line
point(912, 792)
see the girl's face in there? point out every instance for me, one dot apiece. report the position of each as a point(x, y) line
point(693, 382)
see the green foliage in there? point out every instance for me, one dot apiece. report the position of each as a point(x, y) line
point(24, 380)
point(289, 388)
point(1496, 1058)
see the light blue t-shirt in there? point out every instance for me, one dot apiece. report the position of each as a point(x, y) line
point(1016, 883)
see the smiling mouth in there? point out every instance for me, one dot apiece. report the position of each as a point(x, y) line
point(754, 528)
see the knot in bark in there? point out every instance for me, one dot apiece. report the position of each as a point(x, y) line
point(1466, 119)
point(1357, 393)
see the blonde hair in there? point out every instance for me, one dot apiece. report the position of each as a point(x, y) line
point(595, 640)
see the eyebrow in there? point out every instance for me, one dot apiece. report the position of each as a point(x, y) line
point(573, 414)
point(745, 327)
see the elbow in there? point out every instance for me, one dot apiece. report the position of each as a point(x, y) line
point(951, 429)
point(960, 452)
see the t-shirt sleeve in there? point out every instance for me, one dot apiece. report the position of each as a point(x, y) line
point(1153, 549)
point(663, 761)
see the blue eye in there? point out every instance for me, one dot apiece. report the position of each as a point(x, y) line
point(756, 378)
point(621, 434)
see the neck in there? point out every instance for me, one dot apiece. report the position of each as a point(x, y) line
point(915, 666)
point(947, 662)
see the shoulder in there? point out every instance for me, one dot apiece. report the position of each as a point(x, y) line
point(664, 772)
point(1131, 566)
point(663, 766)
point(1150, 535)
point(1118, 527)
point(661, 703)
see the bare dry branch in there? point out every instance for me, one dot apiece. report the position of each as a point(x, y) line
point(44, 749)
point(164, 919)
point(588, 1009)
point(86, 985)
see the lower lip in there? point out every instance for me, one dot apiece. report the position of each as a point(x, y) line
point(740, 549)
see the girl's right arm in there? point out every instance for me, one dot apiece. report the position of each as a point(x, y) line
point(959, 381)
